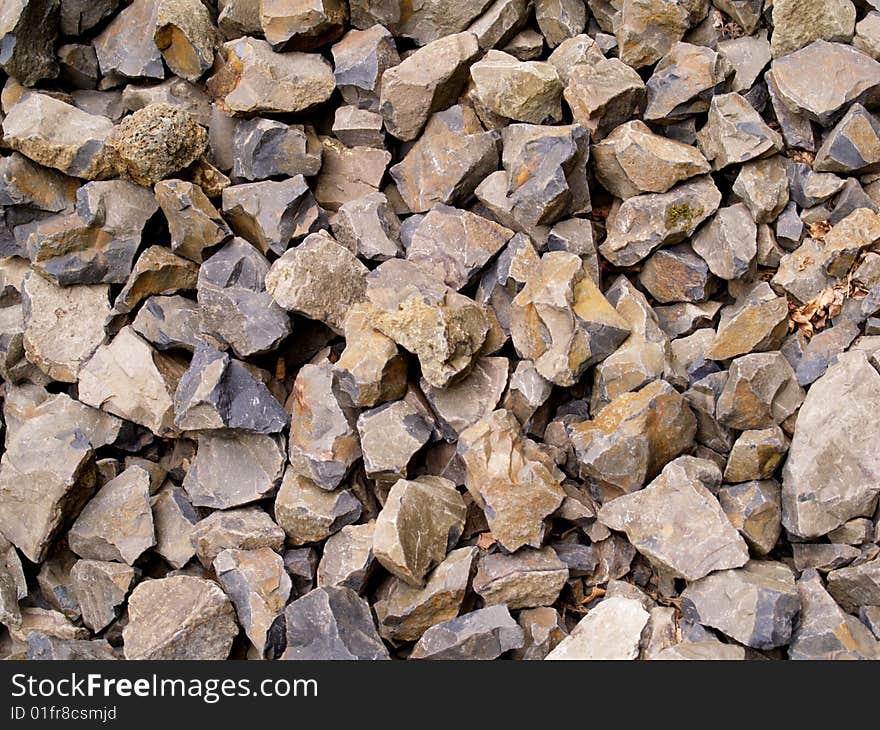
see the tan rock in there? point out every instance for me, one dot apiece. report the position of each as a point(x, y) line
point(63, 326)
point(128, 378)
point(421, 521)
point(186, 37)
point(511, 478)
point(561, 320)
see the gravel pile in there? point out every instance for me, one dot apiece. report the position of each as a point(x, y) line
point(458, 329)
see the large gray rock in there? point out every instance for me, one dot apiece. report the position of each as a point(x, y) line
point(831, 472)
point(677, 523)
point(42, 490)
point(332, 624)
point(483, 634)
point(756, 605)
point(117, 523)
point(218, 392)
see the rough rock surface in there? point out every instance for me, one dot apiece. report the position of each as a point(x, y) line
point(490, 329)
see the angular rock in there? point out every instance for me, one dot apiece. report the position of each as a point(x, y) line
point(252, 79)
point(447, 162)
point(390, 436)
point(758, 321)
point(233, 302)
point(347, 559)
point(684, 82)
point(307, 513)
point(611, 630)
point(131, 380)
point(405, 612)
point(847, 239)
point(248, 528)
point(181, 617)
point(856, 586)
point(829, 476)
point(303, 27)
point(117, 523)
point(824, 630)
point(822, 556)
point(677, 523)
point(264, 148)
point(63, 326)
point(126, 47)
point(157, 271)
point(543, 629)
point(756, 605)
point(258, 586)
point(511, 478)
point(528, 91)
point(426, 82)
point(762, 185)
point(332, 624)
point(465, 402)
point(761, 392)
point(633, 160)
point(421, 521)
point(185, 36)
point(561, 320)
point(853, 146)
point(525, 579)
point(749, 56)
point(484, 634)
point(647, 29)
point(794, 76)
point(735, 133)
point(319, 279)
point(360, 59)
point(370, 369)
point(443, 328)
point(453, 245)
point(676, 274)
point(169, 323)
point(369, 227)
point(232, 469)
point(348, 173)
point(823, 351)
point(604, 95)
point(702, 651)
point(358, 127)
point(632, 439)
point(100, 588)
point(755, 455)
point(27, 34)
point(797, 24)
point(323, 440)
point(270, 214)
point(38, 495)
point(219, 392)
point(196, 226)
point(646, 222)
point(58, 135)
point(560, 19)
point(173, 520)
point(755, 509)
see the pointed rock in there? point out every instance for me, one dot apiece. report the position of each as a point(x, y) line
point(697, 537)
point(511, 478)
point(100, 588)
point(485, 634)
point(258, 586)
point(307, 513)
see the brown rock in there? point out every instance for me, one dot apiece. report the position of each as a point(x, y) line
point(186, 36)
point(632, 438)
point(755, 509)
point(195, 225)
